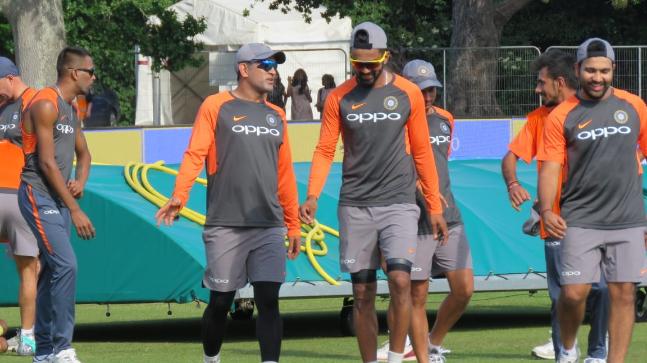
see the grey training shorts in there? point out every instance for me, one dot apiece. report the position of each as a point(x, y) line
point(433, 259)
point(237, 255)
point(618, 254)
point(364, 232)
point(14, 228)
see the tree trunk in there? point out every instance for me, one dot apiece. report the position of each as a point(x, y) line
point(472, 62)
point(39, 35)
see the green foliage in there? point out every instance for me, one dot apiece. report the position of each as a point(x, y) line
point(571, 22)
point(111, 29)
point(407, 23)
point(6, 38)
point(170, 42)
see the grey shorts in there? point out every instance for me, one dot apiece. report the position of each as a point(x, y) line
point(586, 253)
point(237, 255)
point(365, 232)
point(433, 259)
point(14, 228)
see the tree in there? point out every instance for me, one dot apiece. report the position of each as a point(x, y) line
point(477, 24)
point(38, 35)
point(111, 29)
point(474, 23)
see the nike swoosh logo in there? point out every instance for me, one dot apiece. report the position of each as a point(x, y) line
point(583, 124)
point(358, 105)
point(238, 118)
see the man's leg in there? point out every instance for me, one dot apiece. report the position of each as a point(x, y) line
point(226, 249)
point(623, 259)
point(570, 310)
point(580, 255)
point(269, 326)
point(214, 321)
point(63, 283)
point(43, 323)
point(419, 328)
point(27, 267)
point(398, 235)
point(552, 252)
point(399, 306)
point(57, 285)
point(598, 303)
point(420, 273)
point(454, 259)
point(461, 285)
point(621, 319)
point(266, 271)
point(364, 316)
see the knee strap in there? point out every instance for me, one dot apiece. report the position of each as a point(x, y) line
point(398, 264)
point(363, 277)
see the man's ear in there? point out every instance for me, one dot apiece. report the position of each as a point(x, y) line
point(243, 69)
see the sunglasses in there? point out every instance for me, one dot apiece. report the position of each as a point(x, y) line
point(267, 64)
point(89, 71)
point(370, 64)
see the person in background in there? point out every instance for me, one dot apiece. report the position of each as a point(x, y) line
point(299, 91)
point(277, 97)
point(328, 82)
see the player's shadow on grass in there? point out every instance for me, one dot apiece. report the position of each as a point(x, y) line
point(295, 326)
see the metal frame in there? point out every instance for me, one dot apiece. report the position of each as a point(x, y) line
point(529, 281)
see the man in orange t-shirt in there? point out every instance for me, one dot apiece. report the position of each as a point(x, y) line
point(382, 119)
point(16, 95)
point(591, 139)
point(252, 201)
point(556, 82)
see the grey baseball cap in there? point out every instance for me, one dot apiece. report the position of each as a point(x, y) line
point(421, 73)
point(8, 68)
point(258, 51)
point(601, 48)
point(375, 37)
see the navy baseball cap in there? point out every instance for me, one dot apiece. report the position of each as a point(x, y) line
point(421, 73)
point(8, 68)
point(258, 51)
point(595, 47)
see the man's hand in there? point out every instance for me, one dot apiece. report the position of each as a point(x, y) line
point(84, 227)
point(439, 228)
point(443, 201)
point(76, 188)
point(308, 210)
point(554, 224)
point(168, 212)
point(294, 246)
point(517, 195)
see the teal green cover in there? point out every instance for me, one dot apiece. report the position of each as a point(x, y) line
point(133, 260)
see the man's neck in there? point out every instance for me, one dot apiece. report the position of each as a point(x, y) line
point(568, 93)
point(247, 93)
point(19, 89)
point(67, 90)
point(384, 79)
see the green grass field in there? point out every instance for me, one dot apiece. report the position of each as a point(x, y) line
point(498, 327)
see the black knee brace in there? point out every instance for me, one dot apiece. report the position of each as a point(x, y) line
point(363, 276)
point(398, 264)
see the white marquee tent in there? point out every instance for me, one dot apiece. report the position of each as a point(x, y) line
point(318, 47)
